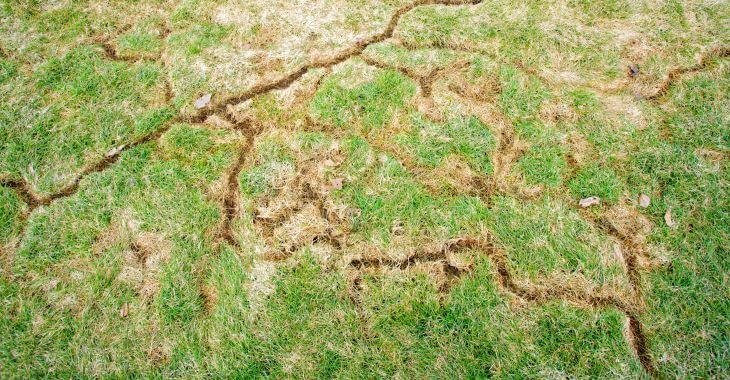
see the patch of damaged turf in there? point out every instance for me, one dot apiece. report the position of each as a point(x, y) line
point(375, 189)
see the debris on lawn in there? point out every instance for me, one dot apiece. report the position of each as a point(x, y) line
point(336, 184)
point(115, 151)
point(482, 153)
point(124, 311)
point(203, 101)
point(668, 219)
point(590, 201)
point(633, 71)
point(644, 200)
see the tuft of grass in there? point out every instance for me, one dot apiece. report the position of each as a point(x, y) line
point(597, 180)
point(10, 213)
point(551, 239)
point(430, 143)
point(372, 103)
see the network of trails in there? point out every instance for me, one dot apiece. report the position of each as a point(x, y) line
point(375, 189)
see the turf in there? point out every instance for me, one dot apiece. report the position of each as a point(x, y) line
point(375, 189)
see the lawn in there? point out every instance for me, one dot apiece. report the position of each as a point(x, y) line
point(364, 189)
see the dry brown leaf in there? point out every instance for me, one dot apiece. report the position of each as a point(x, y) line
point(115, 151)
point(203, 101)
point(124, 311)
point(644, 200)
point(590, 201)
point(668, 219)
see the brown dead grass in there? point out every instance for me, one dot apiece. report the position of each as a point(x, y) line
point(629, 224)
point(302, 212)
point(302, 228)
point(143, 263)
point(447, 265)
point(261, 286)
point(704, 60)
point(454, 175)
point(580, 151)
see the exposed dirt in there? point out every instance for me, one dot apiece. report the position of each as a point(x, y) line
point(575, 291)
point(301, 213)
point(424, 80)
point(25, 193)
point(637, 340)
point(221, 108)
point(230, 201)
point(703, 63)
point(356, 49)
point(509, 149)
point(629, 229)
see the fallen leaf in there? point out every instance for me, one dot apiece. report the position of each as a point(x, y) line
point(124, 311)
point(203, 101)
point(618, 253)
point(644, 200)
point(590, 201)
point(668, 219)
point(115, 151)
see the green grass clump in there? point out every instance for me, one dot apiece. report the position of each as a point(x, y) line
point(8, 69)
point(138, 44)
point(543, 164)
point(71, 93)
point(372, 103)
point(430, 143)
point(688, 297)
point(10, 212)
point(549, 238)
point(274, 161)
point(597, 180)
point(387, 196)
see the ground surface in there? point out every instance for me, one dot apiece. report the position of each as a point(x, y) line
point(373, 189)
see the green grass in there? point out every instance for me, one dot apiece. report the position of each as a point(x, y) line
point(371, 103)
point(128, 275)
point(548, 238)
point(467, 137)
